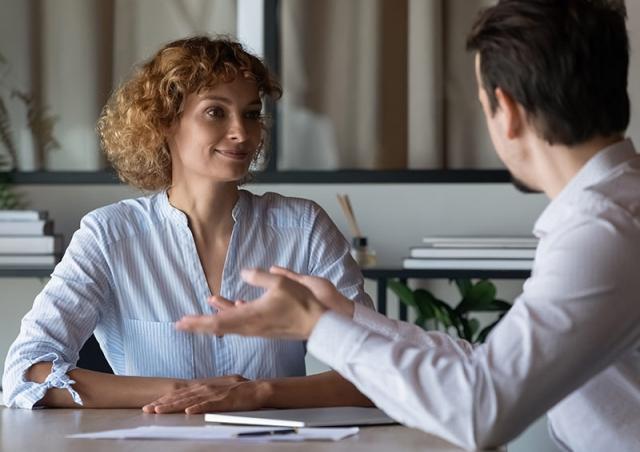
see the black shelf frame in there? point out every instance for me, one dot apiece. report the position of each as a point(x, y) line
point(108, 177)
point(25, 272)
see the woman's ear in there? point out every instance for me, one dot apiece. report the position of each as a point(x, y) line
point(513, 114)
point(170, 130)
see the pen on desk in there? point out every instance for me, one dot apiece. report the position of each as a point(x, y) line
point(268, 432)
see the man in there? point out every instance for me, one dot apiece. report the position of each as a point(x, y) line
point(552, 78)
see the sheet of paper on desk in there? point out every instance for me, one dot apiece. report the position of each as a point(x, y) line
point(215, 432)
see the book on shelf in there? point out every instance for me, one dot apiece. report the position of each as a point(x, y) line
point(468, 264)
point(26, 228)
point(46, 244)
point(23, 215)
point(480, 242)
point(28, 260)
point(472, 253)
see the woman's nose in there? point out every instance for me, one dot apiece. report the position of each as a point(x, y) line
point(237, 131)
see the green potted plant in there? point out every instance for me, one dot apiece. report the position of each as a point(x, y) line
point(41, 125)
point(433, 313)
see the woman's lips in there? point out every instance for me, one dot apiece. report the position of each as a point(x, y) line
point(234, 155)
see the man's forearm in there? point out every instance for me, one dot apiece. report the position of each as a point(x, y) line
point(102, 390)
point(321, 390)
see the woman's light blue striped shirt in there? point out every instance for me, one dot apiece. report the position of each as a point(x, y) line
point(132, 270)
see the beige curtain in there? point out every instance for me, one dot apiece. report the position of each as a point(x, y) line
point(380, 84)
point(71, 53)
point(142, 26)
point(467, 142)
point(75, 59)
point(345, 82)
point(425, 95)
point(17, 71)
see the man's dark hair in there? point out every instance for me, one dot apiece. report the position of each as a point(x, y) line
point(564, 61)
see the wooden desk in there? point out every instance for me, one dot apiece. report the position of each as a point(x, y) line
point(45, 431)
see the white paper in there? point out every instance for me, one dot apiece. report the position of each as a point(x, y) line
point(220, 432)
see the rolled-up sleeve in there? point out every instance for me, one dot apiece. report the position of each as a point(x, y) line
point(329, 258)
point(63, 316)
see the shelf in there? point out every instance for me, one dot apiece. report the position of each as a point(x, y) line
point(25, 272)
point(407, 273)
point(289, 177)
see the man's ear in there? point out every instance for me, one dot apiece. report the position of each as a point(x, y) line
point(513, 114)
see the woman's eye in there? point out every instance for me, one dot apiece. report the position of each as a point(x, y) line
point(215, 112)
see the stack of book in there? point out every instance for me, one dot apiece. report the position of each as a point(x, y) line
point(473, 253)
point(27, 240)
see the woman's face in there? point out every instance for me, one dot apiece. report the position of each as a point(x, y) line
point(218, 133)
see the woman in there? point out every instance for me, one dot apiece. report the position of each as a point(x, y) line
point(188, 125)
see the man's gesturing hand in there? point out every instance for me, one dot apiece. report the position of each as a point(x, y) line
point(286, 310)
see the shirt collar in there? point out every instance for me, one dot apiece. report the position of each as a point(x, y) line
point(593, 171)
point(180, 217)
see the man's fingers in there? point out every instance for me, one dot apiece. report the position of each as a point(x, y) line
point(232, 321)
point(220, 302)
point(260, 278)
point(197, 323)
point(275, 270)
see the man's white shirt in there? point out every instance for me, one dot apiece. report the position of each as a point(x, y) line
point(570, 345)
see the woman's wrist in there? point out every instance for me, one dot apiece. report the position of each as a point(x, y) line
point(265, 392)
point(158, 387)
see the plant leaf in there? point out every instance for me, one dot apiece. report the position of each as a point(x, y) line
point(474, 324)
point(478, 298)
point(404, 293)
point(495, 306)
point(441, 317)
point(421, 322)
point(482, 335)
point(444, 314)
point(499, 305)
point(483, 291)
point(6, 137)
point(464, 286)
point(467, 332)
point(9, 199)
point(40, 121)
point(424, 303)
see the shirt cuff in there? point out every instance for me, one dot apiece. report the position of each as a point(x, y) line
point(335, 338)
point(58, 378)
point(366, 316)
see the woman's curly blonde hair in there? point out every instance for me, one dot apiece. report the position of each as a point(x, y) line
point(133, 122)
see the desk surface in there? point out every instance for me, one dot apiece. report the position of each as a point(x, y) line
point(45, 430)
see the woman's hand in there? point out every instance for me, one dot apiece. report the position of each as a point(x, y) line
point(229, 393)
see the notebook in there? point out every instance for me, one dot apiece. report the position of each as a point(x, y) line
point(304, 417)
